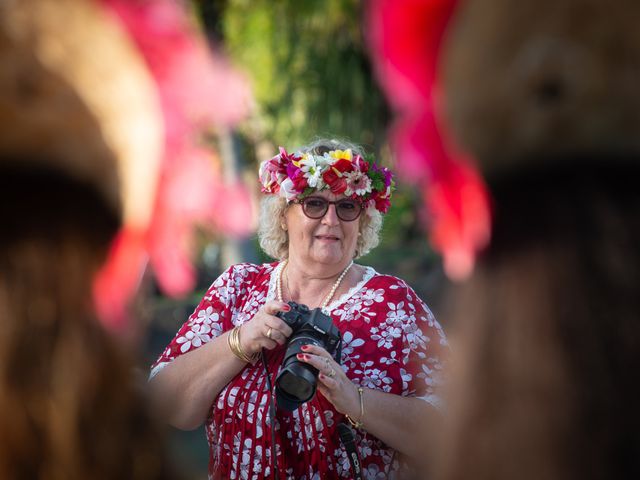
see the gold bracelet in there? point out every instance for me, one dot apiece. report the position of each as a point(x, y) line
point(359, 423)
point(235, 346)
point(232, 340)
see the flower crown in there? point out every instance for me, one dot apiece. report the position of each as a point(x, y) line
point(297, 175)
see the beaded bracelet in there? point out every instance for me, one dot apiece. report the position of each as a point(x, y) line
point(234, 345)
point(358, 423)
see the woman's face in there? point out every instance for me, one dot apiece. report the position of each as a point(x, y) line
point(327, 240)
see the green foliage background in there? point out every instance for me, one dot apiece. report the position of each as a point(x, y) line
point(312, 78)
point(310, 73)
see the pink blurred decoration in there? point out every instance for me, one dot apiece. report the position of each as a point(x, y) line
point(120, 276)
point(405, 37)
point(197, 89)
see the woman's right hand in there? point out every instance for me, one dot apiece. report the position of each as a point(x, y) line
point(265, 330)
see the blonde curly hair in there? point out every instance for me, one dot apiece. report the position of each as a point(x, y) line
point(274, 240)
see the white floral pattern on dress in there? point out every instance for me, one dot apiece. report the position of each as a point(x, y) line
point(391, 342)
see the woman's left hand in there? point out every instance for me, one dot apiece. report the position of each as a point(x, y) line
point(333, 383)
point(398, 421)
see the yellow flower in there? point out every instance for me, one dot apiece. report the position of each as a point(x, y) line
point(341, 154)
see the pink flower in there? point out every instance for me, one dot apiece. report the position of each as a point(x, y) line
point(286, 158)
point(357, 183)
point(297, 178)
point(361, 164)
point(271, 174)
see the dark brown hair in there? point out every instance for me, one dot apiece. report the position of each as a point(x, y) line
point(546, 335)
point(69, 407)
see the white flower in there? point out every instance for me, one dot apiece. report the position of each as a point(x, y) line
point(385, 339)
point(328, 417)
point(391, 359)
point(374, 378)
point(324, 161)
point(396, 313)
point(349, 343)
point(373, 472)
point(311, 170)
point(195, 337)
point(207, 316)
point(370, 295)
point(406, 378)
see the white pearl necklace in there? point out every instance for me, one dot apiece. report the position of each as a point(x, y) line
point(329, 296)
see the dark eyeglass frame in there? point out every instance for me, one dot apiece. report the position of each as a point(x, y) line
point(327, 203)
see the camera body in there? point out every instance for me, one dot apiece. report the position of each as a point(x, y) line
point(297, 381)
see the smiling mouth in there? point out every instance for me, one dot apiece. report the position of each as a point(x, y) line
point(327, 237)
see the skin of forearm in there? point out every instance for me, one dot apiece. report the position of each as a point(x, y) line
point(189, 384)
point(398, 421)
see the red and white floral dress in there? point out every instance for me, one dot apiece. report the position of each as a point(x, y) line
point(391, 342)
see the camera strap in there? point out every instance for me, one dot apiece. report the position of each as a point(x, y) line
point(349, 441)
point(347, 436)
point(272, 415)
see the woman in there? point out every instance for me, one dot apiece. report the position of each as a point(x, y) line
point(323, 208)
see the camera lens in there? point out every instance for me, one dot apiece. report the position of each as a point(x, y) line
point(296, 386)
point(296, 382)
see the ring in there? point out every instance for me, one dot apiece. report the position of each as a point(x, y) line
point(332, 373)
point(326, 362)
point(269, 333)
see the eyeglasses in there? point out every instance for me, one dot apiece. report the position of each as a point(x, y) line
point(316, 207)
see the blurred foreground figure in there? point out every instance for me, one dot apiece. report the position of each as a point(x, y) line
point(83, 138)
point(546, 343)
point(69, 408)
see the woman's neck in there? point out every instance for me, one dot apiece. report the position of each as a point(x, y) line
point(310, 286)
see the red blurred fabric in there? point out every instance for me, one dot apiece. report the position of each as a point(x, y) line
point(405, 39)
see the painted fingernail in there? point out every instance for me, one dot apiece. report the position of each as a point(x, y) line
point(304, 347)
point(300, 356)
point(286, 308)
point(322, 376)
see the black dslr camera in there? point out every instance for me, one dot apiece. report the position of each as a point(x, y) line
point(296, 383)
